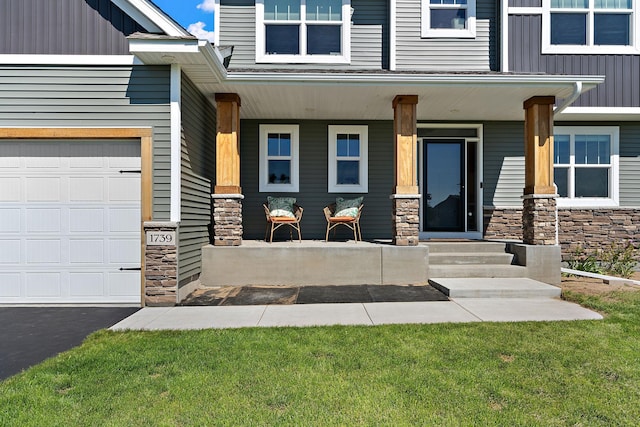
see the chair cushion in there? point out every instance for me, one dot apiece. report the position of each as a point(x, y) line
point(281, 206)
point(341, 219)
point(282, 219)
point(347, 207)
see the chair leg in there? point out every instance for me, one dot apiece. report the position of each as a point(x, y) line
point(355, 232)
point(271, 238)
point(299, 234)
point(326, 238)
point(359, 230)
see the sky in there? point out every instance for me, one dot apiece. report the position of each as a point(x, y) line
point(194, 15)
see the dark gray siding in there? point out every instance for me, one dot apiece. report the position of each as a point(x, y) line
point(369, 35)
point(198, 172)
point(621, 87)
point(446, 54)
point(503, 164)
point(313, 195)
point(73, 27)
point(95, 97)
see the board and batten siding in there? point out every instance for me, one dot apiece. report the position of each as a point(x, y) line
point(198, 172)
point(369, 36)
point(445, 54)
point(118, 96)
point(313, 195)
point(64, 27)
point(621, 87)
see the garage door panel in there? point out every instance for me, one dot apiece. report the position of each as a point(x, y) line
point(10, 285)
point(43, 189)
point(10, 189)
point(120, 188)
point(124, 284)
point(86, 284)
point(124, 251)
point(10, 251)
point(69, 220)
point(10, 220)
point(42, 155)
point(44, 284)
point(43, 220)
point(82, 251)
point(41, 251)
point(83, 220)
point(125, 220)
point(86, 189)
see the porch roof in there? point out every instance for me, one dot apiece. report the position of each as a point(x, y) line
point(358, 94)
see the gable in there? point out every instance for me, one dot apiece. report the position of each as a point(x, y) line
point(64, 27)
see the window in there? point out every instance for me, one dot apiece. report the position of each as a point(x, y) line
point(448, 18)
point(279, 158)
point(348, 164)
point(586, 165)
point(589, 26)
point(303, 31)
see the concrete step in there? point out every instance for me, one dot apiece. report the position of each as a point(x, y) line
point(470, 246)
point(476, 270)
point(458, 258)
point(494, 288)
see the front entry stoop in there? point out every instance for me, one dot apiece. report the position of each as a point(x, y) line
point(494, 288)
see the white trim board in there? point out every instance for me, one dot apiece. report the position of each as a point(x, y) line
point(69, 60)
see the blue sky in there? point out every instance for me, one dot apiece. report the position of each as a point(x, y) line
point(194, 15)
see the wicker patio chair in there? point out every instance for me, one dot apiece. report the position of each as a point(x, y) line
point(275, 222)
point(353, 223)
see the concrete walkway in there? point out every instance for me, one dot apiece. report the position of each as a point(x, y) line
point(456, 310)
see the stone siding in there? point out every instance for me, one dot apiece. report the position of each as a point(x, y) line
point(591, 229)
point(227, 220)
point(406, 221)
point(539, 220)
point(161, 268)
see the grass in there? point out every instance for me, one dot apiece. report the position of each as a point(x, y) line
point(538, 373)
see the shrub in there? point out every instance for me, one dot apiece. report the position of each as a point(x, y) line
point(579, 260)
point(619, 259)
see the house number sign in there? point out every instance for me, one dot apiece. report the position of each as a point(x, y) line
point(161, 238)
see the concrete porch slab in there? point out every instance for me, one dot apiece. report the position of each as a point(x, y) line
point(525, 309)
point(494, 288)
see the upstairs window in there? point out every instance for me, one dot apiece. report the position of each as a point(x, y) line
point(586, 165)
point(590, 26)
point(303, 31)
point(448, 18)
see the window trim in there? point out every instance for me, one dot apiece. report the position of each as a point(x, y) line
point(425, 22)
point(547, 47)
point(333, 186)
point(294, 185)
point(614, 178)
point(303, 58)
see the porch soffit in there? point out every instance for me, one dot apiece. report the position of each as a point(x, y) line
point(355, 95)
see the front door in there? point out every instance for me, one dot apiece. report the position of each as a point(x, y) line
point(450, 185)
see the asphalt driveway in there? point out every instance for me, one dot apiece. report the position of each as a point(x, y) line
point(29, 335)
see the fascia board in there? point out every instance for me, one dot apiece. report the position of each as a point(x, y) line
point(150, 17)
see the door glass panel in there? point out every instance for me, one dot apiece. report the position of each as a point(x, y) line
point(471, 187)
point(444, 186)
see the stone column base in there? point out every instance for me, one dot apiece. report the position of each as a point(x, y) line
point(539, 219)
point(227, 219)
point(405, 214)
point(161, 264)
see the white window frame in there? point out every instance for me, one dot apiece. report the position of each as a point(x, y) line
point(294, 185)
point(303, 58)
point(333, 186)
point(425, 21)
point(590, 48)
point(614, 171)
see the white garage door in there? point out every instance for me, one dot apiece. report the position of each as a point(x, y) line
point(69, 221)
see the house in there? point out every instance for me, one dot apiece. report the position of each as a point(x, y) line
point(473, 119)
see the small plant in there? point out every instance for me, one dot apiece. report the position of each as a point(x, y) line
point(583, 262)
point(619, 259)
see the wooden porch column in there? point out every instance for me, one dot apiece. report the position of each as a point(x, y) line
point(228, 144)
point(406, 147)
point(405, 197)
point(539, 213)
point(227, 197)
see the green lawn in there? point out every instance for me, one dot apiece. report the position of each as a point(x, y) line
point(548, 373)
